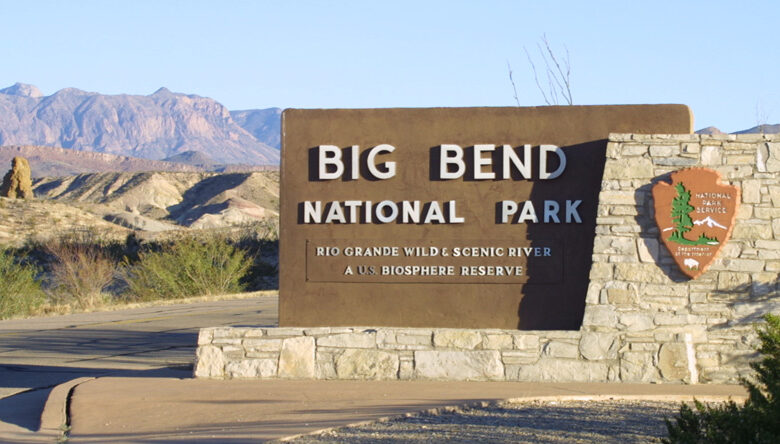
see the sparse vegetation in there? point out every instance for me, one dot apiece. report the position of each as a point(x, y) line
point(20, 292)
point(81, 269)
point(755, 422)
point(188, 267)
point(87, 269)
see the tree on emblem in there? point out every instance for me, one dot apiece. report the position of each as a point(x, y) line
point(681, 213)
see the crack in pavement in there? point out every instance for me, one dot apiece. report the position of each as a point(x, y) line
point(132, 353)
point(23, 369)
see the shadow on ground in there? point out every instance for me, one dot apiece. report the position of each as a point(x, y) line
point(24, 409)
point(83, 353)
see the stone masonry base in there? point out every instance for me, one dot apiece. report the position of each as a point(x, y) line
point(452, 354)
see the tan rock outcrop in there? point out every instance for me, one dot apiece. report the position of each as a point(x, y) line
point(17, 183)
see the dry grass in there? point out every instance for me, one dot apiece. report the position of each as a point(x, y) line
point(53, 309)
point(81, 269)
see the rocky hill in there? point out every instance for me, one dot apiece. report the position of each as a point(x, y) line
point(156, 201)
point(157, 126)
point(711, 130)
point(765, 129)
point(193, 158)
point(22, 220)
point(49, 161)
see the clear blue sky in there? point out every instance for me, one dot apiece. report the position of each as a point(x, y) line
point(721, 58)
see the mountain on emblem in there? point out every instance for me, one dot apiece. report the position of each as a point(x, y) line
point(710, 222)
point(695, 215)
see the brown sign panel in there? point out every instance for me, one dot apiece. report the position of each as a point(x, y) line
point(446, 217)
point(695, 215)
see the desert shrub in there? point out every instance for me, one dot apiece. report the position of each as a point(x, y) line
point(268, 229)
point(79, 272)
point(260, 241)
point(20, 292)
point(188, 267)
point(757, 421)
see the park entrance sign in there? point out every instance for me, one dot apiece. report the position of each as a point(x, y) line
point(446, 217)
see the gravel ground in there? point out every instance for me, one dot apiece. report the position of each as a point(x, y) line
point(528, 422)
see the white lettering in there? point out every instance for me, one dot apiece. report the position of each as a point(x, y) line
point(434, 214)
point(522, 166)
point(454, 219)
point(451, 155)
point(353, 206)
point(571, 211)
point(329, 155)
point(312, 212)
point(335, 214)
point(508, 208)
point(480, 162)
point(491, 270)
point(355, 162)
point(380, 211)
point(410, 212)
point(544, 149)
point(372, 167)
point(551, 209)
point(528, 213)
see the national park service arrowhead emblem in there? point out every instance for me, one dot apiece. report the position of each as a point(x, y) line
point(695, 215)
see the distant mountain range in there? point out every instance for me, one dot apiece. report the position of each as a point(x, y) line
point(163, 126)
point(264, 124)
point(159, 126)
point(765, 129)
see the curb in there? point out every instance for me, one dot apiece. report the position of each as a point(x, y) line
point(55, 412)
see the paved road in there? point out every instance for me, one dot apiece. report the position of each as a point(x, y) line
point(37, 354)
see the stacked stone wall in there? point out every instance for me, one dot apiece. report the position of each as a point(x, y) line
point(668, 325)
point(644, 320)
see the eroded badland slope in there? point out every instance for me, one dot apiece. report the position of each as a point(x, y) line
point(148, 202)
